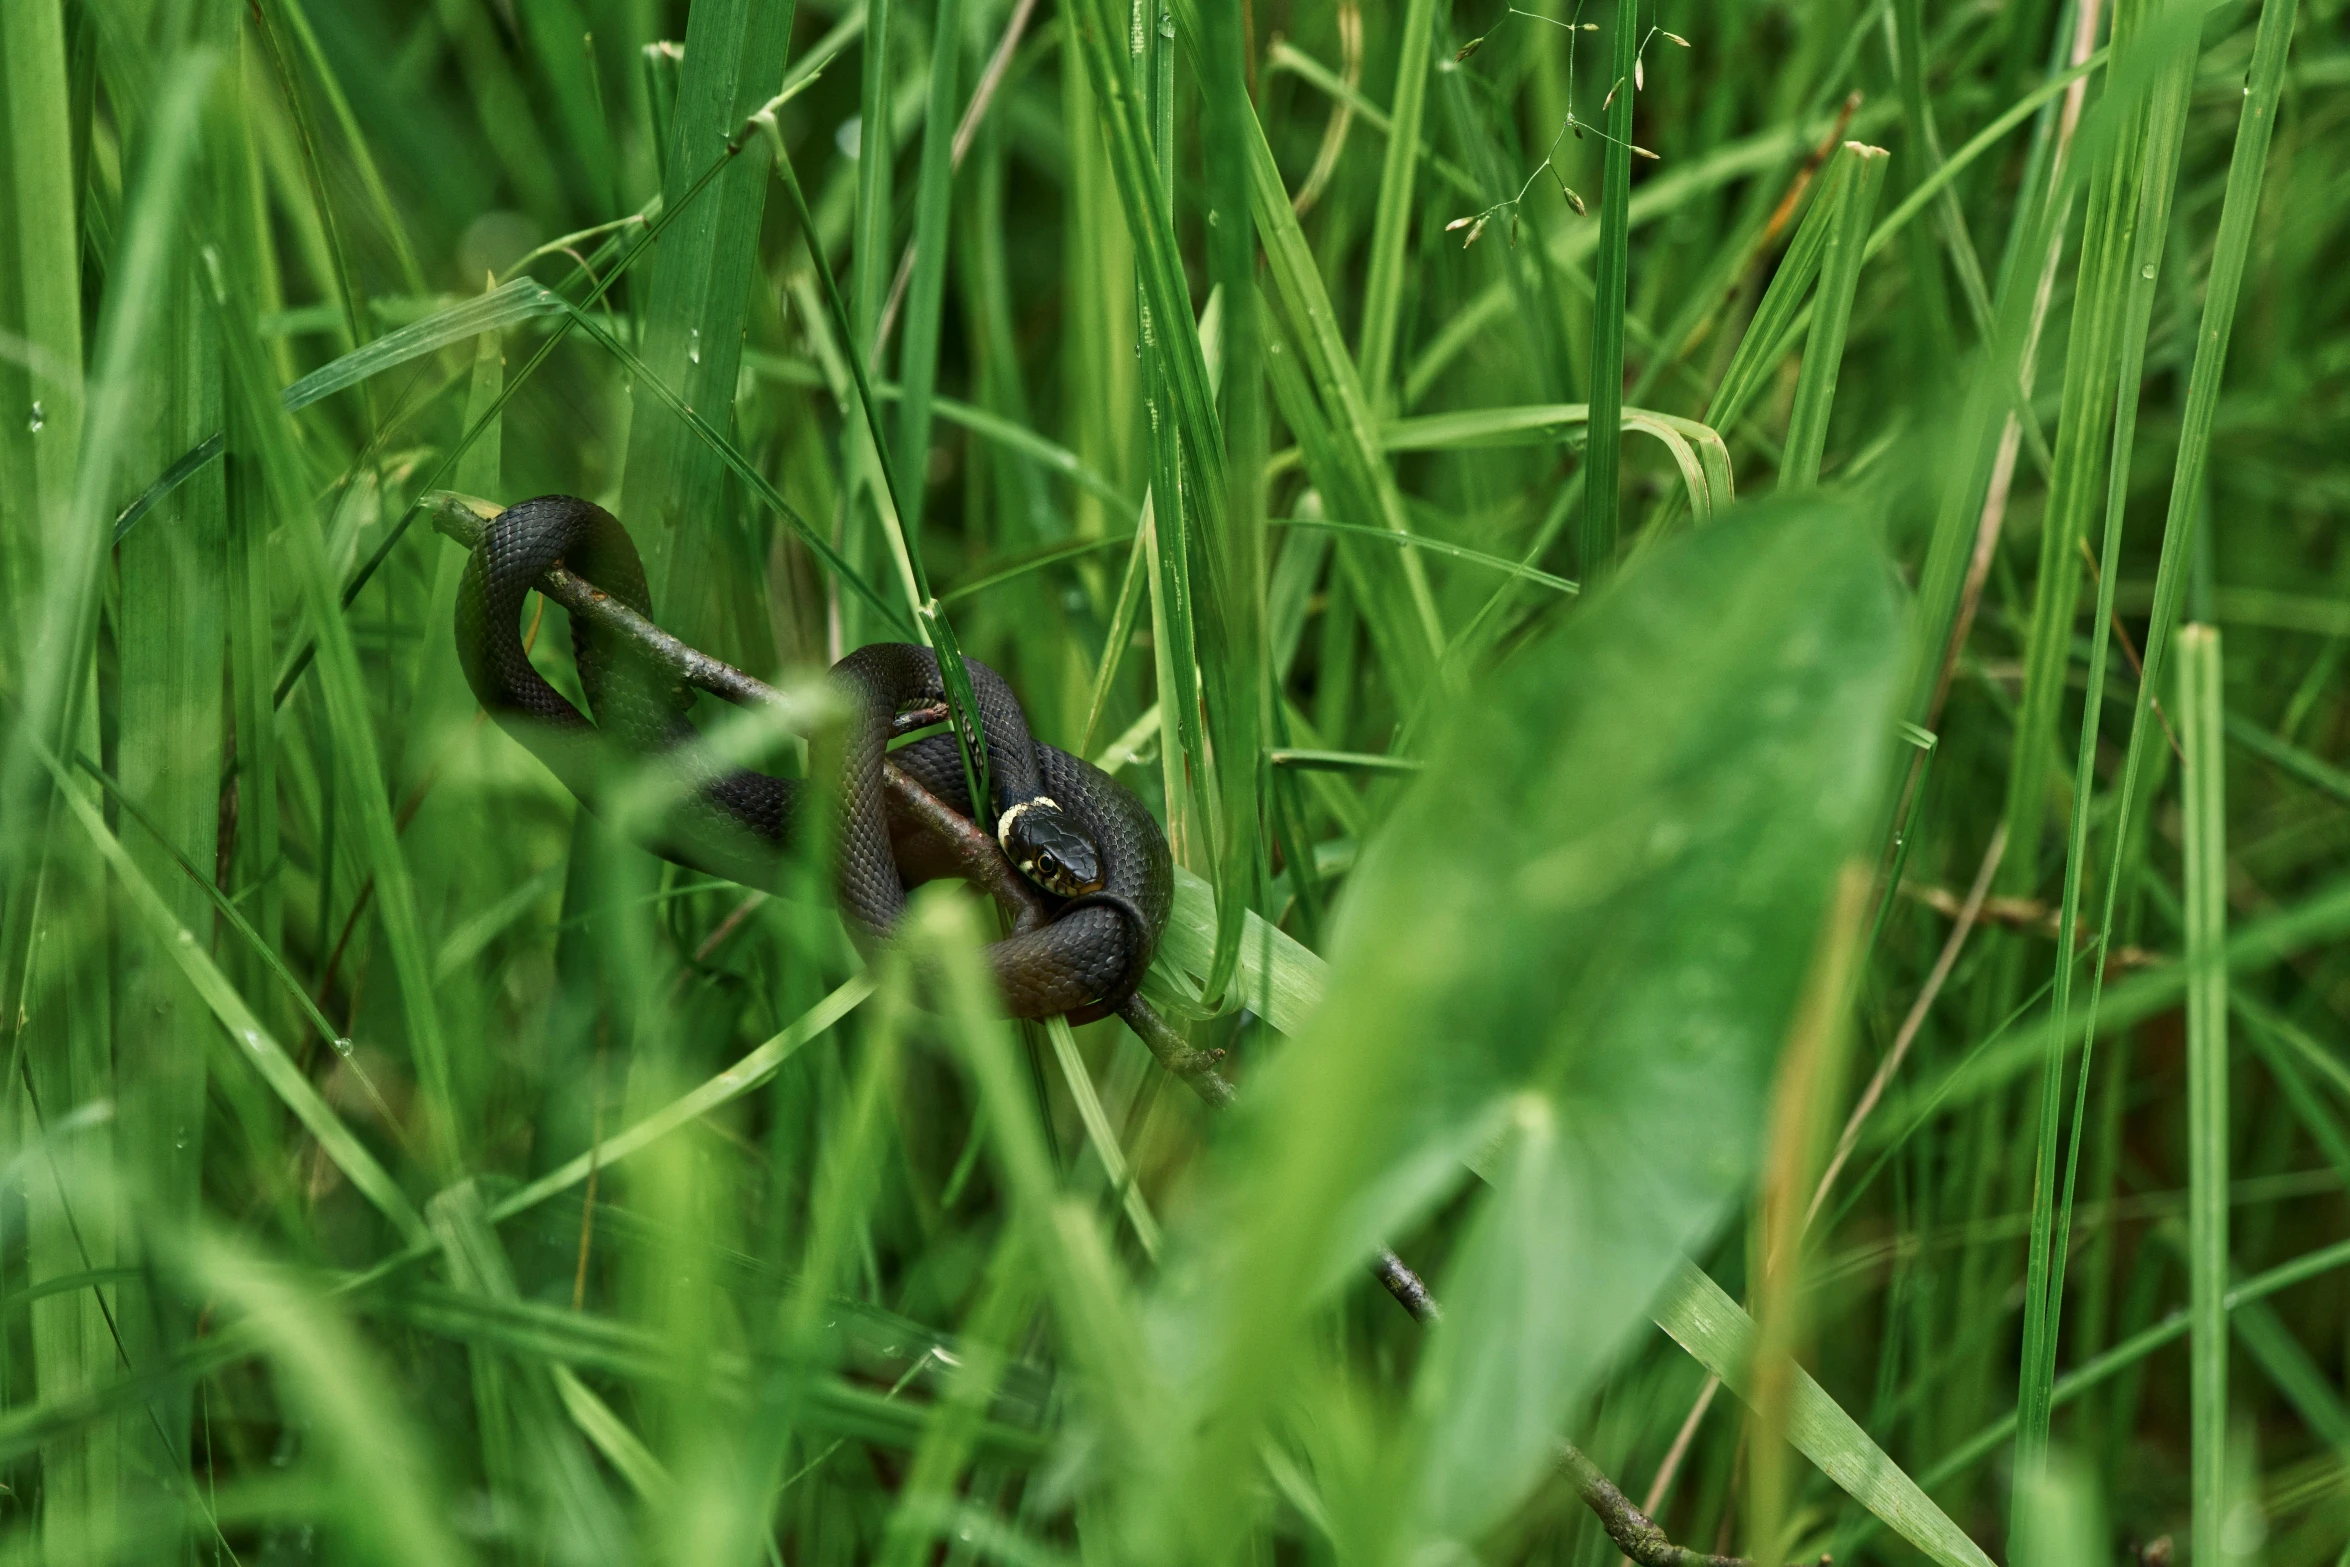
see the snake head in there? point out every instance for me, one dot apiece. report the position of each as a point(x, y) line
point(1050, 848)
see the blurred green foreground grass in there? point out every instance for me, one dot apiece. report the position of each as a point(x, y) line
point(1737, 615)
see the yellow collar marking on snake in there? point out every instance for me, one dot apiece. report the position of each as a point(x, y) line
point(1003, 826)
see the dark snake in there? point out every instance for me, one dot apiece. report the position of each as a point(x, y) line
point(1090, 846)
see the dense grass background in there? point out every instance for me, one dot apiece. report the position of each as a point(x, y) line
point(400, 1166)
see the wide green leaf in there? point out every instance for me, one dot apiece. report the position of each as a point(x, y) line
point(1571, 955)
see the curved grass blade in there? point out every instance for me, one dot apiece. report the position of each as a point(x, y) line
point(731, 1084)
point(742, 468)
point(1418, 541)
point(523, 299)
point(1697, 449)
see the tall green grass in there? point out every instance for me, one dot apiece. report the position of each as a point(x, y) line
point(399, 1164)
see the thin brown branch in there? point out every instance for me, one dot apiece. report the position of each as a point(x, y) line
point(1635, 1533)
point(952, 844)
point(1410, 1291)
point(2024, 914)
point(1178, 1055)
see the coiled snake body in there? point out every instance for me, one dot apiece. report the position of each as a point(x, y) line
point(1088, 843)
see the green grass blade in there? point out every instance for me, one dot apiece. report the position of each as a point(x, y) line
point(1101, 1136)
point(1283, 980)
point(1287, 56)
point(732, 458)
point(1114, 644)
point(869, 246)
point(929, 621)
point(1175, 659)
point(1239, 694)
point(516, 301)
point(1672, 191)
point(2247, 165)
point(55, 1020)
point(1314, 328)
point(222, 904)
point(1781, 313)
point(1432, 546)
point(2285, 1049)
point(672, 493)
point(1823, 354)
point(864, 455)
point(2289, 758)
point(2255, 947)
point(1392, 223)
point(2051, 1243)
point(1393, 627)
point(933, 198)
point(352, 725)
point(349, 292)
point(297, 21)
point(621, 1447)
point(1033, 561)
point(1603, 464)
point(54, 660)
point(2203, 815)
point(1007, 1298)
point(1069, 1253)
point(2132, 159)
point(389, 1501)
point(1160, 266)
point(1711, 1326)
point(1698, 452)
point(746, 1074)
point(42, 305)
point(171, 649)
